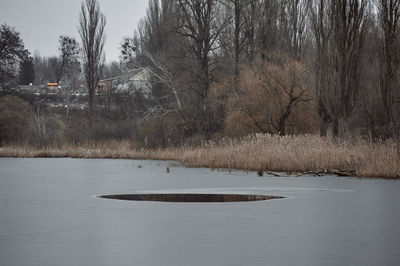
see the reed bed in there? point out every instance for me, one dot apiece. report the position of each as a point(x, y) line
point(261, 152)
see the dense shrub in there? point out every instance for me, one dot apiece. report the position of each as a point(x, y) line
point(15, 119)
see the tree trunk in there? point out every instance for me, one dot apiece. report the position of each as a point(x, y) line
point(323, 119)
point(343, 127)
point(237, 39)
point(340, 127)
point(323, 127)
point(282, 127)
point(90, 107)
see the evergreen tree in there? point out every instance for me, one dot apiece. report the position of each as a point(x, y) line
point(26, 72)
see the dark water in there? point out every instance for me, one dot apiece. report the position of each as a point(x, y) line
point(50, 215)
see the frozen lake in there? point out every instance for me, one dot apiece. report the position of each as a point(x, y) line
point(50, 215)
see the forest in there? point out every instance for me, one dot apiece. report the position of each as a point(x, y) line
point(233, 68)
point(218, 68)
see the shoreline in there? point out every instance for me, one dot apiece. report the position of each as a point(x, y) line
point(298, 155)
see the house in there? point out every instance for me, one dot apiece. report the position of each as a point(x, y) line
point(106, 85)
point(129, 82)
point(141, 81)
point(28, 89)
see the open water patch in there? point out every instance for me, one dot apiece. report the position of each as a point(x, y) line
point(190, 197)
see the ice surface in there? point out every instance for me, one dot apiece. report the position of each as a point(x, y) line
point(50, 215)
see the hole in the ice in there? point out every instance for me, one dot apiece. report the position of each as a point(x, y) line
point(181, 197)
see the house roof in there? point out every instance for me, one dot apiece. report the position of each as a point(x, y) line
point(143, 75)
point(110, 79)
point(125, 77)
point(133, 75)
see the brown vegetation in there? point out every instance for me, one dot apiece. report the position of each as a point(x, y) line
point(225, 70)
point(256, 152)
point(272, 98)
point(15, 122)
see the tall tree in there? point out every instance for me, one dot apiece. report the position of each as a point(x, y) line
point(322, 31)
point(91, 29)
point(238, 17)
point(296, 13)
point(12, 52)
point(200, 24)
point(128, 51)
point(68, 48)
point(26, 71)
point(339, 28)
point(68, 66)
point(389, 15)
point(349, 27)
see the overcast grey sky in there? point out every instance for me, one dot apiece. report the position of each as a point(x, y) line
point(40, 22)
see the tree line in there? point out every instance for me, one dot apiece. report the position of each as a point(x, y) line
point(286, 67)
point(236, 67)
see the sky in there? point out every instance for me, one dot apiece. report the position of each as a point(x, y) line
point(41, 22)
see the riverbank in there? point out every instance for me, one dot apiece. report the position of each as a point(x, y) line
point(295, 154)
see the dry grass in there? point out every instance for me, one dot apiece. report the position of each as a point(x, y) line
point(259, 152)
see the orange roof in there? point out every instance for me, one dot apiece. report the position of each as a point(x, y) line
point(52, 84)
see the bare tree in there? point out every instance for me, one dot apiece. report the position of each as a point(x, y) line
point(322, 31)
point(68, 48)
point(296, 12)
point(349, 27)
point(252, 17)
point(91, 30)
point(71, 81)
point(239, 38)
point(234, 38)
point(237, 4)
point(68, 66)
point(201, 26)
point(267, 31)
point(389, 15)
point(339, 28)
point(271, 96)
point(164, 76)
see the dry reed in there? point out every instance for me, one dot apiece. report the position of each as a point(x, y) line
point(257, 153)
